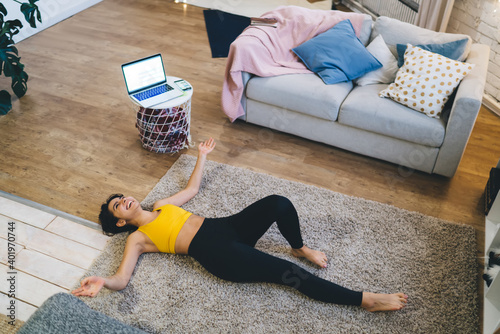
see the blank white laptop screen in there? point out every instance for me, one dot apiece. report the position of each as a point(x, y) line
point(146, 81)
point(143, 74)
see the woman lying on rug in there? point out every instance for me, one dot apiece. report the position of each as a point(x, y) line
point(224, 246)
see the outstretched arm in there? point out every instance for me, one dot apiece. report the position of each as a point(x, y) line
point(193, 185)
point(91, 286)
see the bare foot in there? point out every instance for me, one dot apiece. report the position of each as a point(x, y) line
point(374, 302)
point(316, 257)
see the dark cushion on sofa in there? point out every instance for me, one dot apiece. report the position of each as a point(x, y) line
point(64, 313)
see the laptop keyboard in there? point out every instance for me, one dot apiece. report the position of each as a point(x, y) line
point(152, 92)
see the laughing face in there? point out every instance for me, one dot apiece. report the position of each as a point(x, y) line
point(124, 207)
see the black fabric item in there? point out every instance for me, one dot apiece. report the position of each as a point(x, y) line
point(492, 189)
point(64, 313)
point(222, 30)
point(225, 247)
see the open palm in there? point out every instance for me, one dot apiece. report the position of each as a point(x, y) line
point(206, 146)
point(90, 286)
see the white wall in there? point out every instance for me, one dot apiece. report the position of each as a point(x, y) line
point(255, 8)
point(480, 19)
point(52, 11)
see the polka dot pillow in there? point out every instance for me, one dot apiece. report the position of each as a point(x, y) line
point(426, 80)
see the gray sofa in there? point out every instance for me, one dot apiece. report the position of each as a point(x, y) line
point(356, 119)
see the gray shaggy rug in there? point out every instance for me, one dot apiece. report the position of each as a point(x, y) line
point(371, 247)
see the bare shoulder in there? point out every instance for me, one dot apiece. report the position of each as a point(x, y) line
point(136, 237)
point(136, 240)
point(141, 242)
point(158, 204)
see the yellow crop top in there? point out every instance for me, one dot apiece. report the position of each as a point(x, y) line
point(163, 231)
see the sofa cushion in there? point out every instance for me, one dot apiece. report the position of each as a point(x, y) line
point(364, 109)
point(387, 73)
point(366, 30)
point(397, 32)
point(453, 50)
point(426, 81)
point(304, 93)
point(337, 55)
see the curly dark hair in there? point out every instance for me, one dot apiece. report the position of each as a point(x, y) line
point(108, 220)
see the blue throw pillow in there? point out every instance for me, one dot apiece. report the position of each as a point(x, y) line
point(453, 50)
point(337, 55)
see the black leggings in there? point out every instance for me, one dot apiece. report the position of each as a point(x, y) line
point(225, 247)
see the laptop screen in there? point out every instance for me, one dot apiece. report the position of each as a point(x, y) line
point(143, 73)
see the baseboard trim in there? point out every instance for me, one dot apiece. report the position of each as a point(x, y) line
point(492, 104)
point(50, 210)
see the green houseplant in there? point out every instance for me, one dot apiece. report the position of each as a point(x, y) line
point(10, 64)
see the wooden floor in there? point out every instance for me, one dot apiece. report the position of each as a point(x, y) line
point(71, 141)
point(43, 253)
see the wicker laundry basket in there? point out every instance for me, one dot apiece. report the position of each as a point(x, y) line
point(165, 130)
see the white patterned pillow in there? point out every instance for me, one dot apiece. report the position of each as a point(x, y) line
point(426, 80)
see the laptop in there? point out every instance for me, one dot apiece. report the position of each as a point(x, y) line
point(146, 81)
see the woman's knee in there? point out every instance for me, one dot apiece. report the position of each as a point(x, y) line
point(283, 204)
point(280, 201)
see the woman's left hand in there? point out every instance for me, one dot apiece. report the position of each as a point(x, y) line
point(206, 147)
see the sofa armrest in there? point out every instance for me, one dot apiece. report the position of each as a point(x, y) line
point(245, 76)
point(464, 111)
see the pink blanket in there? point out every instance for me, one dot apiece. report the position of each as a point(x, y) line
point(267, 51)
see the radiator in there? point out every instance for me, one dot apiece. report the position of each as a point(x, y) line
point(403, 10)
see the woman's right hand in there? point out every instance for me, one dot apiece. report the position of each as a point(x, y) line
point(90, 286)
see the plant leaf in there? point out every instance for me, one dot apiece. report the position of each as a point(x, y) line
point(31, 13)
point(3, 12)
point(12, 67)
point(2, 9)
point(11, 28)
point(9, 61)
point(6, 44)
point(20, 82)
point(5, 102)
